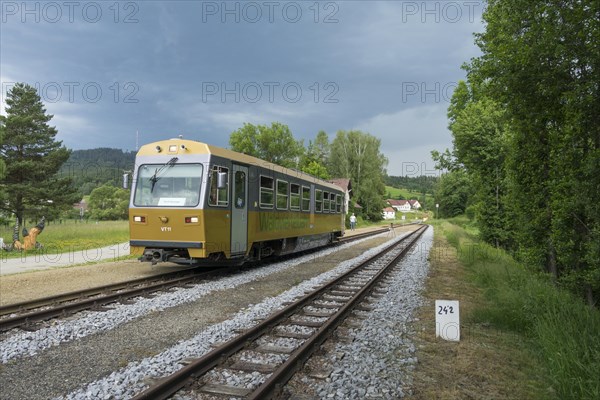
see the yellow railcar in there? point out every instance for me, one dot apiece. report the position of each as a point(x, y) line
point(192, 203)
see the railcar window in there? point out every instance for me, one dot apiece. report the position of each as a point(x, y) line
point(266, 192)
point(332, 201)
point(240, 189)
point(325, 201)
point(338, 203)
point(318, 200)
point(177, 185)
point(282, 195)
point(305, 198)
point(294, 197)
point(218, 197)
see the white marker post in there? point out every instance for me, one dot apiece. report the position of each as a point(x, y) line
point(447, 320)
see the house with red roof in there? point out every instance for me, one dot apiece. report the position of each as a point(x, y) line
point(414, 204)
point(399, 205)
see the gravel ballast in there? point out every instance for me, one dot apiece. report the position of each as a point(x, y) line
point(62, 369)
point(136, 374)
point(88, 323)
point(378, 362)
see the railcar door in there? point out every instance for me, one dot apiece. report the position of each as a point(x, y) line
point(239, 211)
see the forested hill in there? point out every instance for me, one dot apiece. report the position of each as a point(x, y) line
point(421, 184)
point(92, 168)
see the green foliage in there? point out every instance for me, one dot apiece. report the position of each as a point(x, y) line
point(356, 155)
point(2, 163)
point(315, 158)
point(318, 150)
point(479, 131)
point(314, 168)
point(416, 184)
point(32, 157)
point(452, 194)
point(109, 203)
point(275, 144)
point(92, 168)
point(460, 99)
point(561, 327)
point(353, 154)
point(526, 128)
point(445, 161)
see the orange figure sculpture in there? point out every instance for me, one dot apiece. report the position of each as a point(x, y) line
point(29, 237)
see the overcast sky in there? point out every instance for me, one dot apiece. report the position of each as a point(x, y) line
point(200, 69)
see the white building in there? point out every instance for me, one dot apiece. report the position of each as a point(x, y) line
point(389, 213)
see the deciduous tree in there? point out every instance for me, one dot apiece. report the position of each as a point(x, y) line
point(109, 203)
point(479, 130)
point(540, 62)
point(315, 159)
point(356, 155)
point(275, 144)
point(452, 193)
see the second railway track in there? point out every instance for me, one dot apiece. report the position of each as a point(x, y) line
point(27, 315)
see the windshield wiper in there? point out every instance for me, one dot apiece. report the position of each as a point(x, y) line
point(154, 178)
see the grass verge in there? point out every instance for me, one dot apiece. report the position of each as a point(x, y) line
point(73, 236)
point(521, 337)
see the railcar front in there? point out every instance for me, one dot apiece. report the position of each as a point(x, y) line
point(167, 219)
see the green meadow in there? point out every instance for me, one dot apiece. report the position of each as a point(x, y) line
point(72, 235)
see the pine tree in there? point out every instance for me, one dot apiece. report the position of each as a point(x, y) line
point(32, 157)
point(2, 164)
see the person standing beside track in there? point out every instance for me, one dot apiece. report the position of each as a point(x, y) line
point(352, 222)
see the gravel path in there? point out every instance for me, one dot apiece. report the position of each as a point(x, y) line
point(34, 285)
point(60, 370)
point(34, 262)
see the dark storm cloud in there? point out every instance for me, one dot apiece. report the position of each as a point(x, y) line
point(202, 69)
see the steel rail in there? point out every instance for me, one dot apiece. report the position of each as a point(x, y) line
point(88, 303)
point(169, 385)
point(78, 294)
point(274, 384)
point(86, 298)
point(373, 233)
point(98, 290)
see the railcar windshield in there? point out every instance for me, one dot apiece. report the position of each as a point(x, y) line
point(168, 185)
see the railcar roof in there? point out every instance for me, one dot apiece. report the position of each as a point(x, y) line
point(195, 147)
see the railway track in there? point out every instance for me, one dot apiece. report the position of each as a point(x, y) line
point(26, 315)
point(304, 325)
